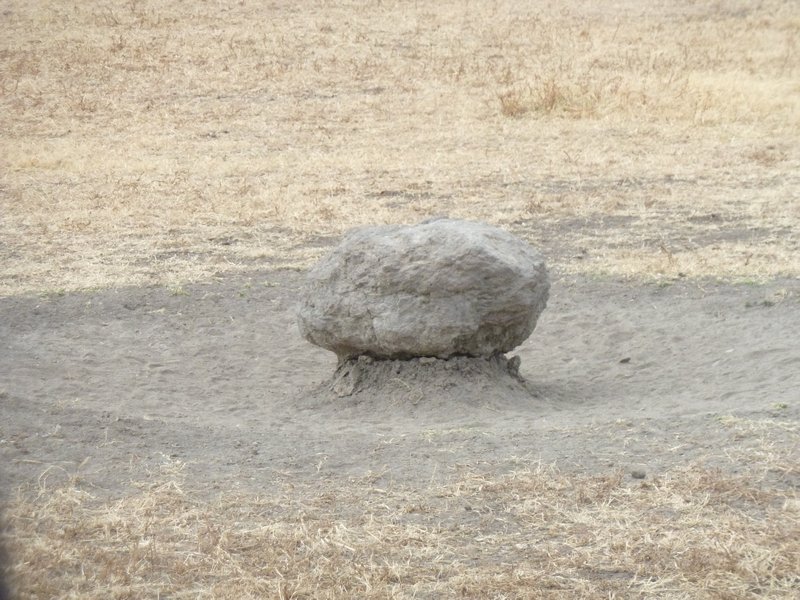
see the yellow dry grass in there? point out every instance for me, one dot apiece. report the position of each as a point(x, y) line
point(160, 142)
point(532, 532)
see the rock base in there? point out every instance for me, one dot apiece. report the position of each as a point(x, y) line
point(364, 372)
point(436, 389)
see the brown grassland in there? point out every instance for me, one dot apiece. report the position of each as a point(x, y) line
point(155, 142)
point(151, 142)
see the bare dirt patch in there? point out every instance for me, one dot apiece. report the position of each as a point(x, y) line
point(182, 444)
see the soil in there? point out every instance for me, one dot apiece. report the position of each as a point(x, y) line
point(105, 387)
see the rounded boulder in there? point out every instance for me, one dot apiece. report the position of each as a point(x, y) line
point(441, 288)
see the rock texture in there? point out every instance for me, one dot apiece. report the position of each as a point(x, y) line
point(441, 288)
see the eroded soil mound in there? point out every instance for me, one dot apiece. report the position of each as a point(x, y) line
point(436, 389)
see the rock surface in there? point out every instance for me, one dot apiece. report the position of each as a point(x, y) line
point(441, 288)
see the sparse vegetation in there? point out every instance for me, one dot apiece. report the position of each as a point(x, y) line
point(152, 142)
point(533, 532)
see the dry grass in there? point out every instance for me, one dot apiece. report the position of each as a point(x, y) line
point(160, 142)
point(530, 533)
point(512, 528)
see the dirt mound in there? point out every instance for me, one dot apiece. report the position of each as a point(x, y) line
point(432, 388)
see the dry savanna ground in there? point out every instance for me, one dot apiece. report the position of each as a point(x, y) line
point(156, 143)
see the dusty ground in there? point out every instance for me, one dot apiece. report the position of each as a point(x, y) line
point(107, 385)
point(169, 170)
point(152, 415)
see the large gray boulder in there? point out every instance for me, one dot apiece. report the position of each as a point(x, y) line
point(442, 288)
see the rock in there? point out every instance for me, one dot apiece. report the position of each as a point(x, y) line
point(441, 288)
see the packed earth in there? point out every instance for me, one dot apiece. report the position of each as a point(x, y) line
point(104, 393)
point(107, 386)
